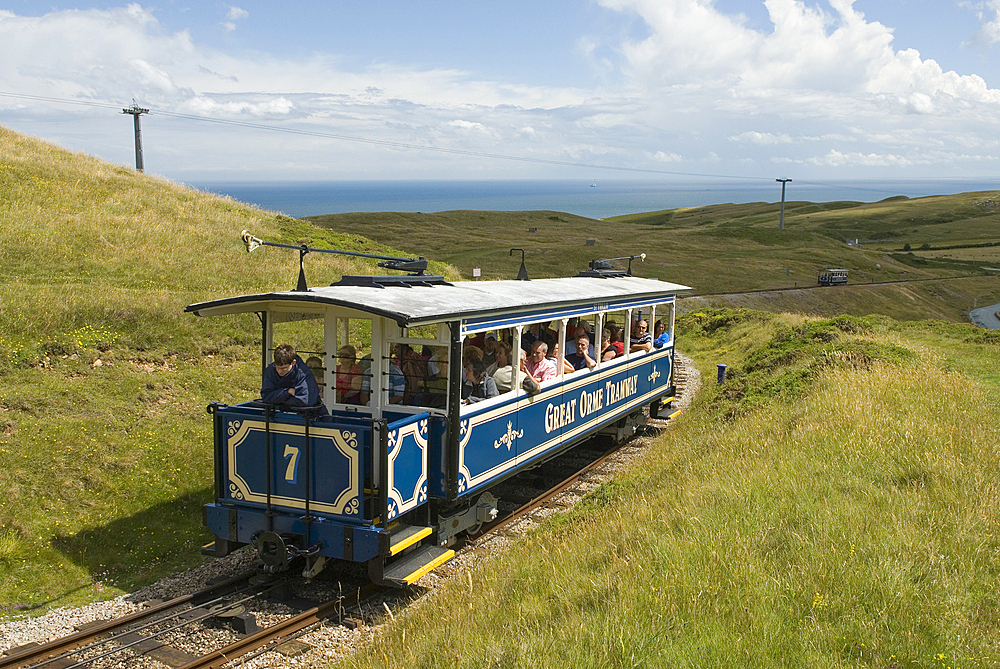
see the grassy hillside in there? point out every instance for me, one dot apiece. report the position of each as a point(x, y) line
point(104, 442)
point(725, 248)
point(834, 503)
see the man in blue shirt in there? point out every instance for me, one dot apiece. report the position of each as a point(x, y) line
point(288, 380)
point(395, 384)
point(583, 358)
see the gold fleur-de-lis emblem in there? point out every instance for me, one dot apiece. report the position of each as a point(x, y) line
point(655, 375)
point(508, 438)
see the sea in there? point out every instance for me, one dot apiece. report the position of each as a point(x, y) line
point(584, 197)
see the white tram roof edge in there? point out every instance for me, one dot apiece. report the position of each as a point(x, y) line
point(478, 304)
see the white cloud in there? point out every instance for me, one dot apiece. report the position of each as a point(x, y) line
point(663, 157)
point(471, 126)
point(988, 14)
point(762, 138)
point(838, 159)
point(823, 90)
point(234, 14)
point(694, 45)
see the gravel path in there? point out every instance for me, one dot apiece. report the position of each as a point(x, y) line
point(330, 642)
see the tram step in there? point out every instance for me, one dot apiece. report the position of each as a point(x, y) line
point(414, 565)
point(405, 536)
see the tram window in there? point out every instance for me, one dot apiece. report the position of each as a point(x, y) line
point(306, 336)
point(617, 324)
point(436, 389)
point(504, 367)
point(539, 340)
point(352, 360)
point(641, 338)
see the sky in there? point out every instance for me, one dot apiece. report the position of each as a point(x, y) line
point(644, 89)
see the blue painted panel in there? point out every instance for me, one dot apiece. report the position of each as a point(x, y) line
point(338, 453)
point(487, 441)
point(407, 464)
point(250, 521)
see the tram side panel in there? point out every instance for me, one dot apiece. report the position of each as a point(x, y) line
point(503, 437)
point(488, 439)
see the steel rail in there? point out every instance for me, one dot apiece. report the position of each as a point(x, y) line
point(198, 619)
point(283, 630)
point(856, 284)
point(36, 656)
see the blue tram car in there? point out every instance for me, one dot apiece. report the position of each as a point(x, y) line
point(832, 277)
point(394, 484)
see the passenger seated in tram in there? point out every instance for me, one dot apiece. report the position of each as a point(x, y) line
point(529, 336)
point(315, 365)
point(490, 349)
point(502, 370)
point(470, 353)
point(528, 382)
point(616, 337)
point(571, 343)
point(608, 350)
point(350, 375)
point(395, 384)
point(288, 381)
point(584, 356)
point(660, 336)
point(538, 366)
point(477, 385)
point(554, 357)
point(641, 339)
point(414, 371)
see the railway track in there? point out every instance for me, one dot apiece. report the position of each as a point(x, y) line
point(856, 284)
point(149, 635)
point(146, 635)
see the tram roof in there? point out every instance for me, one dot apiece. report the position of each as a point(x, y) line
point(483, 303)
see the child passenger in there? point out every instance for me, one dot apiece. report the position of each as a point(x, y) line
point(288, 381)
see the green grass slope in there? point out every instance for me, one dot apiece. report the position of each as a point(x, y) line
point(725, 248)
point(104, 443)
point(834, 503)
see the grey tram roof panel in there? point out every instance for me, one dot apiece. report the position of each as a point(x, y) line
point(463, 300)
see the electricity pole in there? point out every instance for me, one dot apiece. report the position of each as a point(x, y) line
point(781, 224)
point(136, 111)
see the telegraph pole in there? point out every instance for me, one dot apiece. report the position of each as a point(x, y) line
point(136, 111)
point(781, 224)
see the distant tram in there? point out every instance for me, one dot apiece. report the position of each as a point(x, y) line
point(393, 484)
point(833, 277)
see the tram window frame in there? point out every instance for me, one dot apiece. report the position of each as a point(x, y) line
point(435, 336)
point(621, 318)
point(560, 335)
point(502, 335)
point(305, 331)
point(592, 319)
point(343, 330)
